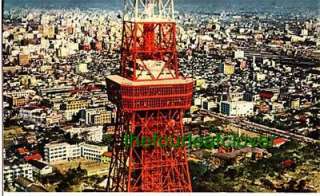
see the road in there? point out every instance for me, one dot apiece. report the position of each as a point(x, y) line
point(258, 128)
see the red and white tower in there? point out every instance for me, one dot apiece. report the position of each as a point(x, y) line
point(151, 97)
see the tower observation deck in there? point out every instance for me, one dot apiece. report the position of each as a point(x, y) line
point(151, 97)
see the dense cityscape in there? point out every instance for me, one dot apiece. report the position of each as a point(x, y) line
point(255, 75)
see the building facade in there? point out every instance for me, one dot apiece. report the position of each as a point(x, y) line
point(10, 173)
point(64, 151)
point(93, 133)
point(237, 108)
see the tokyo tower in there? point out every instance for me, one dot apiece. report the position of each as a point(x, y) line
point(151, 97)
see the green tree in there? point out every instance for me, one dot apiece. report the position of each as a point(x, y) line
point(197, 169)
point(107, 139)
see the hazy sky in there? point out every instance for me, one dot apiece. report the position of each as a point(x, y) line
point(287, 6)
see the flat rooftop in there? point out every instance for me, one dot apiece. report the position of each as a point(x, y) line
point(124, 81)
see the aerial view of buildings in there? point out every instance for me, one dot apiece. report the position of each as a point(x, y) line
point(77, 76)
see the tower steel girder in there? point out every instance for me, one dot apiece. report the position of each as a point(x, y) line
point(148, 40)
point(151, 98)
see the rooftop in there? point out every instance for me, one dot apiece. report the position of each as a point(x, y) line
point(107, 154)
point(124, 81)
point(37, 164)
point(29, 185)
point(35, 156)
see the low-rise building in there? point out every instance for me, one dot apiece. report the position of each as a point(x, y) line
point(26, 185)
point(295, 103)
point(93, 133)
point(11, 172)
point(106, 157)
point(92, 152)
point(54, 118)
point(64, 151)
point(237, 108)
point(81, 68)
point(97, 170)
point(57, 152)
point(24, 59)
point(36, 115)
point(16, 101)
point(227, 68)
point(102, 118)
point(88, 114)
point(40, 168)
point(73, 107)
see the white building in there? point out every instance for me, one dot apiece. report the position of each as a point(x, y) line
point(92, 152)
point(81, 68)
point(197, 101)
point(36, 115)
point(88, 113)
point(212, 105)
point(22, 93)
point(40, 168)
point(93, 133)
point(237, 108)
point(65, 151)
point(239, 54)
point(54, 118)
point(304, 32)
point(260, 76)
point(56, 152)
point(187, 120)
point(68, 114)
point(10, 173)
point(235, 95)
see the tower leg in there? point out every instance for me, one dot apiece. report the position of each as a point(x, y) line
point(157, 160)
point(118, 170)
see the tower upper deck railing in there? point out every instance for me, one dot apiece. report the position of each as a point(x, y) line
point(148, 10)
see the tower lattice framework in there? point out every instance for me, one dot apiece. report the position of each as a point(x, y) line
point(151, 97)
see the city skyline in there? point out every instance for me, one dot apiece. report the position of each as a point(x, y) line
point(207, 6)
